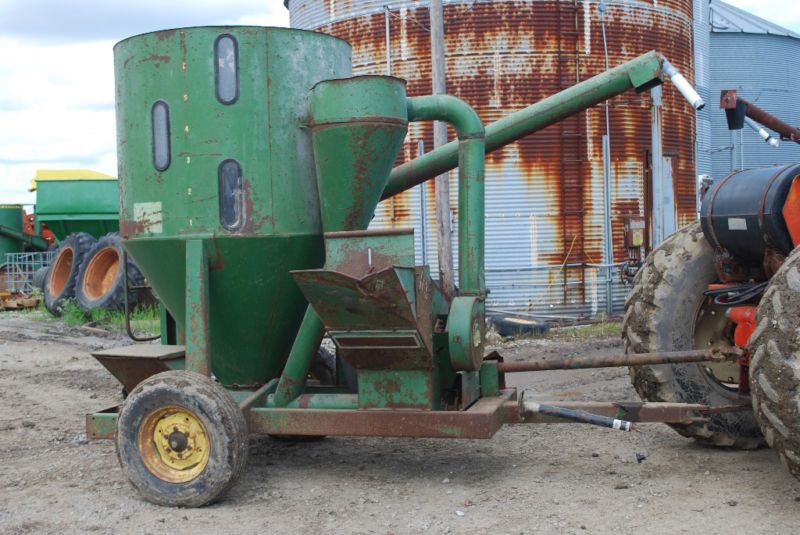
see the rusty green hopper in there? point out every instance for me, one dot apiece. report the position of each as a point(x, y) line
point(218, 186)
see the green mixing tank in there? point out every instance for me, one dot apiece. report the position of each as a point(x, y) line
point(212, 163)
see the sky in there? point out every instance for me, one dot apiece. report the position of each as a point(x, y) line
point(57, 77)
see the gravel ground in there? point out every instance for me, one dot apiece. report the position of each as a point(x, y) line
point(527, 479)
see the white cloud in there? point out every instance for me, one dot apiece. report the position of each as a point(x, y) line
point(784, 13)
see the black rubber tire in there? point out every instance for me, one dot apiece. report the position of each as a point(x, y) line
point(508, 325)
point(660, 315)
point(775, 364)
point(78, 244)
point(323, 367)
point(113, 298)
point(225, 426)
point(40, 277)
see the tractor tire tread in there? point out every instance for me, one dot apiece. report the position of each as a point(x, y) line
point(663, 293)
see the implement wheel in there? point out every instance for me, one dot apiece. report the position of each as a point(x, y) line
point(775, 364)
point(181, 439)
point(63, 274)
point(101, 281)
point(667, 311)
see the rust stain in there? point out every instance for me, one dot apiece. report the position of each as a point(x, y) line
point(503, 56)
point(165, 34)
point(128, 228)
point(156, 59)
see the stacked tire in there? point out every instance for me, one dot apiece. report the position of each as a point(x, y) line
point(90, 272)
point(62, 276)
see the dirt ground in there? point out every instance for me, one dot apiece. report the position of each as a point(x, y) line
point(528, 479)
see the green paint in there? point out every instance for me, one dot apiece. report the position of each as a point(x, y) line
point(306, 343)
point(357, 127)
point(12, 237)
point(198, 347)
point(490, 378)
point(254, 308)
point(101, 425)
point(396, 249)
point(639, 72)
point(68, 206)
point(469, 130)
point(331, 401)
point(395, 389)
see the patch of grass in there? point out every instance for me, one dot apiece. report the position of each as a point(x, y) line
point(143, 319)
point(73, 315)
point(593, 331)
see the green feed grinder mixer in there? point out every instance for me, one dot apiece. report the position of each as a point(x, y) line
point(250, 165)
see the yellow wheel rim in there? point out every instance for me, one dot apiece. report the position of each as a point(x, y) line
point(174, 444)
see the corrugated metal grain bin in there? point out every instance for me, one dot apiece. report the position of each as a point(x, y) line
point(545, 203)
point(761, 60)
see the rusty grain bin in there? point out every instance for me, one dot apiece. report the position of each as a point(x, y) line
point(544, 203)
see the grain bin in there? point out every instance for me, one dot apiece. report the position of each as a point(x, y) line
point(760, 60)
point(545, 199)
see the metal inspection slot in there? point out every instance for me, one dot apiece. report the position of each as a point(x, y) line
point(226, 69)
point(159, 118)
point(230, 194)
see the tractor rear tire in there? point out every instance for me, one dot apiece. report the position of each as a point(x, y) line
point(63, 273)
point(101, 280)
point(660, 315)
point(181, 439)
point(775, 363)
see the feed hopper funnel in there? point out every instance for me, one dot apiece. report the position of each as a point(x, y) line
point(358, 125)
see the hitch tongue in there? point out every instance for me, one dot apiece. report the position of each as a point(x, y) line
point(682, 85)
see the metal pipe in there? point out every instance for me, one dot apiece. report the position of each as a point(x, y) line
point(640, 73)
point(306, 344)
point(760, 116)
point(31, 240)
point(470, 151)
point(126, 305)
point(577, 416)
point(683, 86)
point(608, 232)
point(657, 168)
point(632, 411)
point(720, 354)
point(735, 106)
point(758, 129)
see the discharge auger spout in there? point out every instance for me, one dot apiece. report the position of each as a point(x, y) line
point(641, 73)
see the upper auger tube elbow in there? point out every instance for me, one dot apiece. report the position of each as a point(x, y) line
point(682, 84)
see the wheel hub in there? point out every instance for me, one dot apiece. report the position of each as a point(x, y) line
point(174, 444)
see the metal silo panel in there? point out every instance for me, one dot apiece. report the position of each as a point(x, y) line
point(763, 69)
point(702, 69)
point(544, 194)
